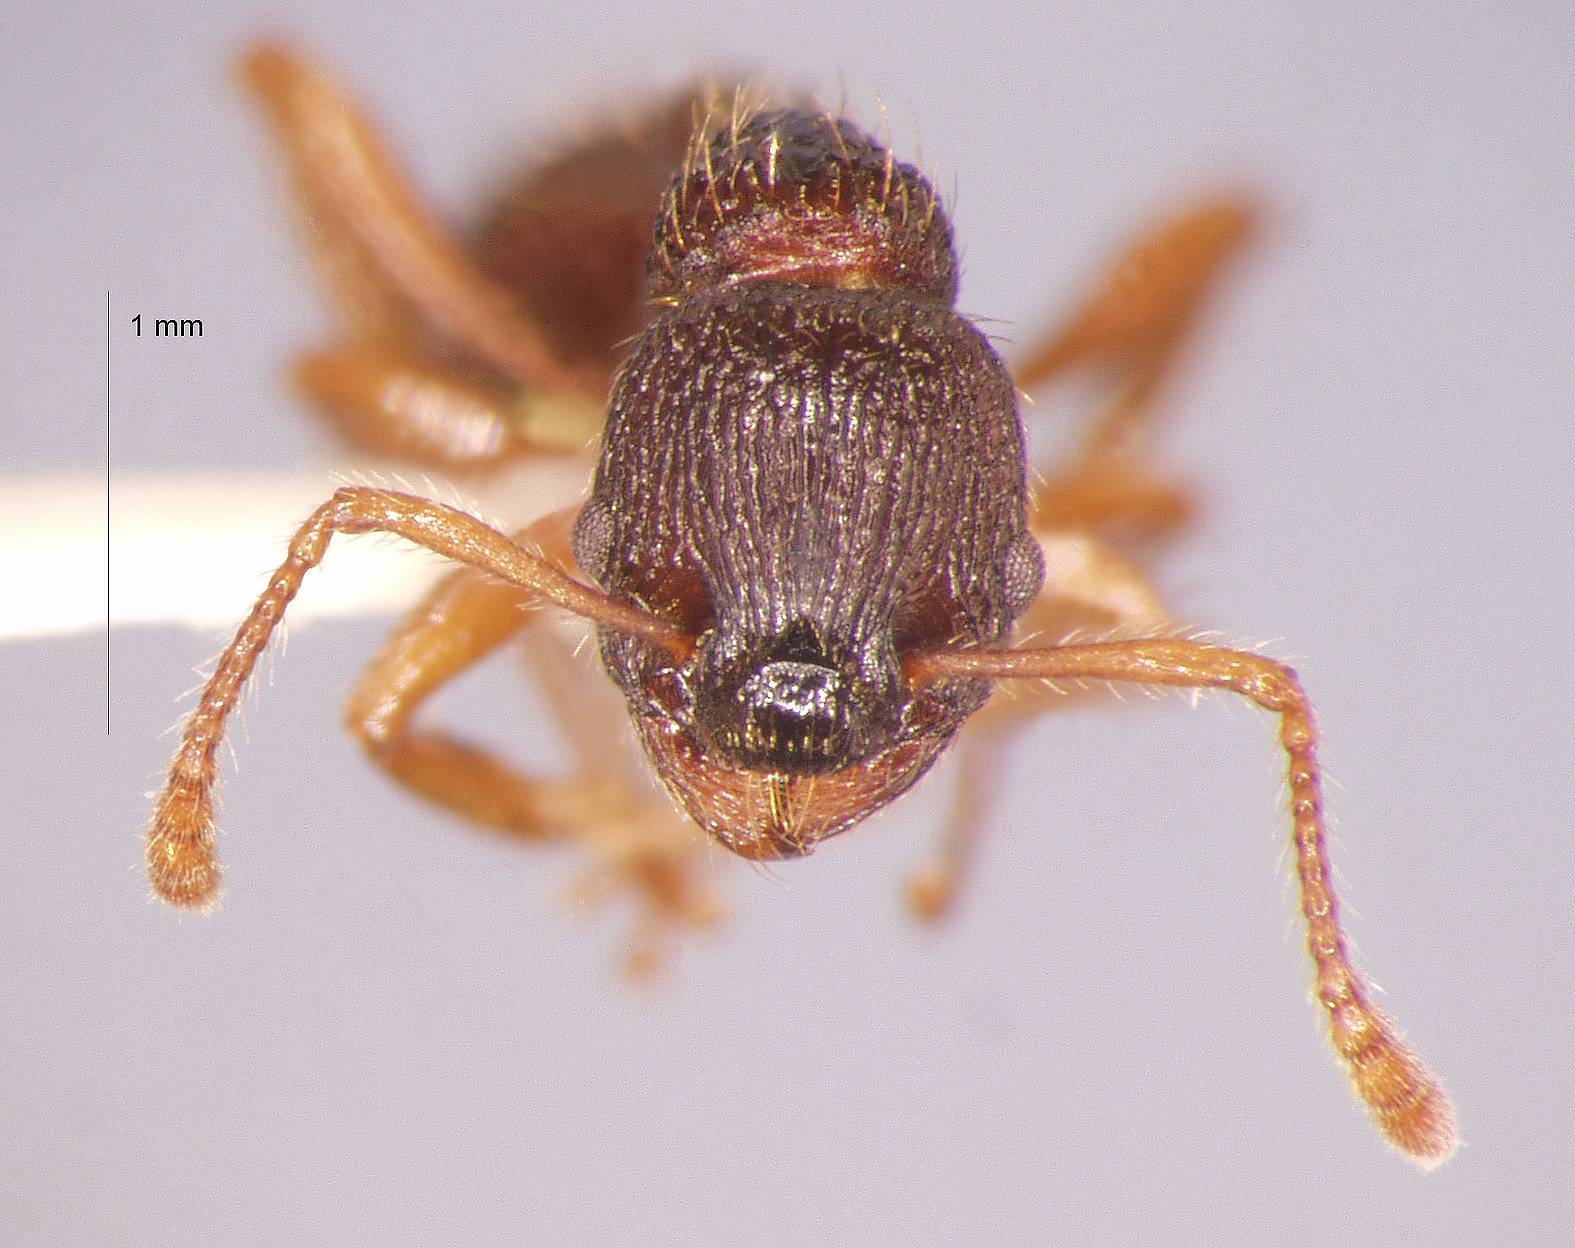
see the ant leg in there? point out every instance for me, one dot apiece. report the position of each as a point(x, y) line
point(1110, 494)
point(1089, 589)
point(467, 617)
point(1409, 1107)
point(648, 846)
point(180, 843)
point(1132, 326)
point(1136, 314)
point(463, 619)
point(931, 888)
point(397, 274)
point(394, 402)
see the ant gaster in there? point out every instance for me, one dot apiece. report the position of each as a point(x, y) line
point(809, 534)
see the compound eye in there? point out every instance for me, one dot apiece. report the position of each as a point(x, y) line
point(1022, 574)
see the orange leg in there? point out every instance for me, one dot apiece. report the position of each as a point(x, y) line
point(401, 404)
point(181, 862)
point(1131, 328)
point(399, 277)
point(931, 889)
point(1410, 1108)
point(651, 847)
point(1089, 589)
point(1131, 325)
point(397, 403)
point(464, 619)
point(1113, 496)
point(634, 842)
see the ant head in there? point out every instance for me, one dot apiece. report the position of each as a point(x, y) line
point(808, 478)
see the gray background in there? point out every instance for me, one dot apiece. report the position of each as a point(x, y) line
point(392, 1032)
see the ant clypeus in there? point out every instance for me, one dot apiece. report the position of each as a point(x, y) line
point(810, 532)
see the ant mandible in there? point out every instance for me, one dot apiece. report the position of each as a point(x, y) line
point(810, 531)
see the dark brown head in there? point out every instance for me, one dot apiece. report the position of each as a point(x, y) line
point(813, 466)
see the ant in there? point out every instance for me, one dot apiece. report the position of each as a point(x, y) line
point(810, 532)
